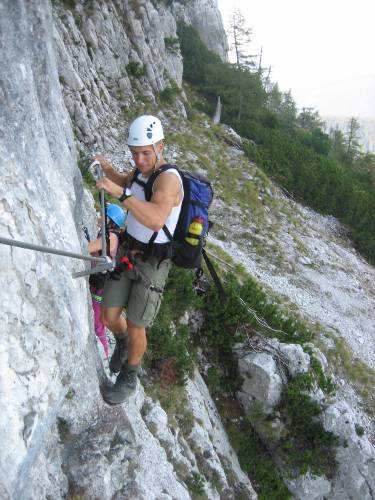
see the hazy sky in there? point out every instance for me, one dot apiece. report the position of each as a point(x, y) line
point(323, 50)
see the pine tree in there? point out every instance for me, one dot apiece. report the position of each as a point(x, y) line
point(288, 111)
point(274, 98)
point(353, 151)
point(240, 37)
point(338, 144)
point(309, 119)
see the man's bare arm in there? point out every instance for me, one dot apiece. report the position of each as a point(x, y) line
point(152, 214)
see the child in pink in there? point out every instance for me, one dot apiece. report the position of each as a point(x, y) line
point(115, 219)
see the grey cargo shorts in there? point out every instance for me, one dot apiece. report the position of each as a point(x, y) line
point(141, 296)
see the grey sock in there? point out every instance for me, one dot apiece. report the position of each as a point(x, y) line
point(132, 368)
point(123, 335)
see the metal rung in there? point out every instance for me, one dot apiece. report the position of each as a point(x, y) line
point(40, 248)
point(106, 264)
point(103, 268)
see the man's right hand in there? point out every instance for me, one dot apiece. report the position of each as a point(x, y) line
point(103, 162)
point(111, 173)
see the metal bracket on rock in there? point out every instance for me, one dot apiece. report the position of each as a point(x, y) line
point(102, 263)
point(109, 265)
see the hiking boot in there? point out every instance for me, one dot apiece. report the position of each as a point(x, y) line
point(124, 386)
point(120, 354)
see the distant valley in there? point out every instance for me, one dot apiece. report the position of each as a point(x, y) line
point(366, 133)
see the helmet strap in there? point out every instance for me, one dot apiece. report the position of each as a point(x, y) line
point(157, 154)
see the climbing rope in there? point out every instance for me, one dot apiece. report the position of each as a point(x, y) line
point(261, 321)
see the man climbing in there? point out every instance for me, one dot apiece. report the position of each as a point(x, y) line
point(140, 278)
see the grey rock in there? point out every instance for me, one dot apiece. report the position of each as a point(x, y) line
point(209, 436)
point(262, 381)
point(205, 17)
point(42, 313)
point(306, 261)
point(30, 422)
point(94, 47)
point(298, 360)
point(356, 472)
point(317, 353)
point(89, 33)
point(309, 487)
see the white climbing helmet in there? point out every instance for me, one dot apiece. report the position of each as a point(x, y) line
point(146, 130)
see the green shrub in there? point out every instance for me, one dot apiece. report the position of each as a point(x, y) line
point(169, 94)
point(222, 326)
point(172, 44)
point(300, 159)
point(136, 69)
point(307, 446)
point(167, 345)
point(304, 444)
point(70, 394)
point(195, 485)
point(88, 179)
point(257, 463)
point(325, 382)
point(167, 339)
point(359, 430)
point(68, 4)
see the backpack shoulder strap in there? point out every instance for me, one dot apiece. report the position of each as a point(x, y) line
point(147, 186)
point(148, 194)
point(162, 169)
point(135, 179)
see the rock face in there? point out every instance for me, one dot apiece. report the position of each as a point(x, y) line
point(264, 373)
point(73, 74)
point(205, 17)
point(133, 451)
point(44, 311)
point(356, 475)
point(59, 439)
point(263, 376)
point(113, 58)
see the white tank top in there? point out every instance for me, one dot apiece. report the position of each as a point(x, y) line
point(143, 233)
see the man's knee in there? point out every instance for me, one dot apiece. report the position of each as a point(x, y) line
point(134, 329)
point(110, 316)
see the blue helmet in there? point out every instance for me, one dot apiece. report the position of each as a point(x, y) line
point(116, 214)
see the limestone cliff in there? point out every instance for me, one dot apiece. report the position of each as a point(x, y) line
point(111, 58)
point(205, 17)
point(114, 57)
point(72, 75)
point(60, 71)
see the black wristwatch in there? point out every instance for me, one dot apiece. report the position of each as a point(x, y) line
point(125, 194)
